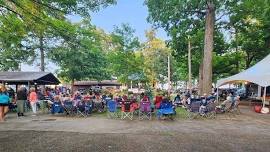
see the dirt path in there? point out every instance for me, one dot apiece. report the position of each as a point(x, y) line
point(246, 132)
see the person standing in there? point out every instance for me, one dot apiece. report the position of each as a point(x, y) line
point(33, 100)
point(4, 102)
point(21, 99)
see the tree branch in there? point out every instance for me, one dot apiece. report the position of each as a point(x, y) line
point(48, 6)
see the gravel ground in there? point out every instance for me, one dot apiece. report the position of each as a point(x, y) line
point(247, 132)
point(27, 141)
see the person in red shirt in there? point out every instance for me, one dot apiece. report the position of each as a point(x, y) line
point(158, 100)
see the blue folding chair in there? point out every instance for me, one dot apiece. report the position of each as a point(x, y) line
point(166, 110)
point(112, 109)
point(88, 107)
point(57, 108)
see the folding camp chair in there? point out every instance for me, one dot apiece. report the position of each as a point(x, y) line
point(193, 109)
point(57, 108)
point(69, 108)
point(112, 109)
point(210, 110)
point(166, 110)
point(127, 111)
point(80, 108)
point(88, 107)
point(145, 111)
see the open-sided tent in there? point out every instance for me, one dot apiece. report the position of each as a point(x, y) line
point(258, 74)
point(27, 78)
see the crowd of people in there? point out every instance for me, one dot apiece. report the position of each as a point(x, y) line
point(32, 100)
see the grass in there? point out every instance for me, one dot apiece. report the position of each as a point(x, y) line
point(181, 113)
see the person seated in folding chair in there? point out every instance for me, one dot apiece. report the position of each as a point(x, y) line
point(135, 106)
point(177, 100)
point(98, 104)
point(57, 106)
point(158, 100)
point(203, 105)
point(87, 97)
point(228, 104)
point(88, 104)
point(81, 108)
point(126, 109)
point(68, 105)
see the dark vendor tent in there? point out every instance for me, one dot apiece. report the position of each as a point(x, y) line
point(37, 78)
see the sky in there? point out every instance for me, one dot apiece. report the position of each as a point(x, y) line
point(133, 12)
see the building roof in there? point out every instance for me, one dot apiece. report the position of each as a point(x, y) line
point(41, 78)
point(97, 83)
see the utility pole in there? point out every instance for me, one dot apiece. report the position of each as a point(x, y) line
point(169, 76)
point(189, 66)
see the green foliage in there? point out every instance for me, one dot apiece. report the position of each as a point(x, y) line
point(123, 60)
point(155, 55)
point(13, 46)
point(35, 25)
point(251, 26)
point(184, 21)
point(82, 57)
point(241, 32)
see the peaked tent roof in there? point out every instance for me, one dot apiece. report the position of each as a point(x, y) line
point(41, 78)
point(259, 74)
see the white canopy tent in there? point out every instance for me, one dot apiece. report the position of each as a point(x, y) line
point(259, 74)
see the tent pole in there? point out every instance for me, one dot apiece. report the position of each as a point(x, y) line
point(264, 96)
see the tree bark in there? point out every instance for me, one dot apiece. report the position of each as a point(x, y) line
point(208, 48)
point(42, 54)
point(200, 79)
point(72, 86)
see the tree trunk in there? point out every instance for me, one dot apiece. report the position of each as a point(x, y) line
point(189, 66)
point(200, 79)
point(72, 86)
point(42, 55)
point(208, 48)
point(169, 76)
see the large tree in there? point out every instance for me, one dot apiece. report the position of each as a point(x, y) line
point(249, 26)
point(181, 18)
point(123, 61)
point(81, 58)
point(155, 54)
point(42, 19)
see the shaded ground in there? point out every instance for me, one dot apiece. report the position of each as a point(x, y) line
point(245, 132)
